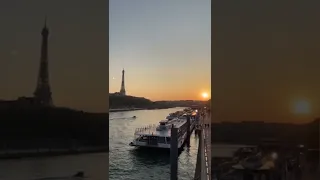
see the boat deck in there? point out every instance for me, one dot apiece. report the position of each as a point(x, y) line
point(152, 131)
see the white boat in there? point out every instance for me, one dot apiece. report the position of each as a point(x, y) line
point(174, 115)
point(159, 136)
point(171, 116)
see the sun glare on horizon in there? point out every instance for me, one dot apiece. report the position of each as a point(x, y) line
point(205, 95)
point(301, 107)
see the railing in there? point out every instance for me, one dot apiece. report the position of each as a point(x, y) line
point(146, 128)
point(197, 175)
point(206, 156)
point(202, 166)
point(203, 171)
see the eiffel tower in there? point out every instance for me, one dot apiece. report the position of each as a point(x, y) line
point(122, 90)
point(43, 93)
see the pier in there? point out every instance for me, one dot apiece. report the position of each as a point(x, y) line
point(203, 165)
point(175, 135)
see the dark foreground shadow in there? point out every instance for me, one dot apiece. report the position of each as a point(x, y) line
point(78, 176)
point(35, 130)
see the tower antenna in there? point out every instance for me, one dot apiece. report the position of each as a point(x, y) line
point(45, 21)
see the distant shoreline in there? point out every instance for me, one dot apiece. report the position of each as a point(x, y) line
point(135, 109)
point(125, 109)
point(46, 152)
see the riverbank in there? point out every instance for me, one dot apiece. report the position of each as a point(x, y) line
point(125, 109)
point(46, 152)
point(24, 130)
point(136, 109)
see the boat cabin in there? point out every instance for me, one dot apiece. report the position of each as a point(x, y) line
point(162, 125)
point(163, 122)
point(153, 140)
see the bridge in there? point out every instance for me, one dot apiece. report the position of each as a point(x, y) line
point(203, 165)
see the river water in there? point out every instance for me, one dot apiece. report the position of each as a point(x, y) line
point(126, 162)
point(131, 163)
point(94, 166)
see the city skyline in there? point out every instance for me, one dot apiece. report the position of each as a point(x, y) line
point(265, 61)
point(77, 69)
point(166, 56)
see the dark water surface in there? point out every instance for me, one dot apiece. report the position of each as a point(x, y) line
point(130, 163)
point(95, 167)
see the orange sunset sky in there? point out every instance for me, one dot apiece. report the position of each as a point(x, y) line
point(164, 47)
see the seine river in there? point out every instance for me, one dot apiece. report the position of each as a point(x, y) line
point(126, 162)
point(130, 163)
point(94, 166)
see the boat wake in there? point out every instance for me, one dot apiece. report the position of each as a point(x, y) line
point(123, 118)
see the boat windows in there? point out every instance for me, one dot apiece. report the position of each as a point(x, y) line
point(152, 140)
point(161, 140)
point(143, 138)
point(168, 140)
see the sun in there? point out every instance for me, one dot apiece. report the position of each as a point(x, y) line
point(301, 107)
point(205, 95)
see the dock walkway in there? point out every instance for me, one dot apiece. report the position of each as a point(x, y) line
point(203, 166)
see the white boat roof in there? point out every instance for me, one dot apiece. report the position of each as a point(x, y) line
point(163, 133)
point(177, 122)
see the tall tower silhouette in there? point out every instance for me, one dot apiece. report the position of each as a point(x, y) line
point(43, 93)
point(122, 90)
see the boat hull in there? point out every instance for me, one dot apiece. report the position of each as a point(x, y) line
point(181, 141)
